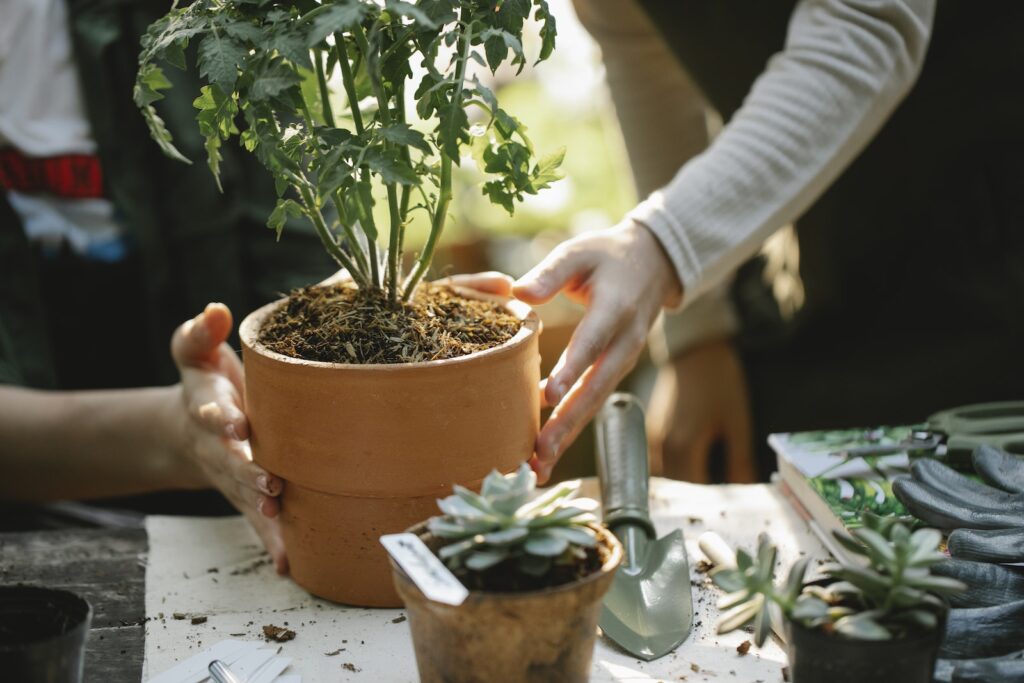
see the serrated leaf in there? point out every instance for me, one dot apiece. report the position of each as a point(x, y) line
point(402, 134)
point(391, 168)
point(220, 57)
point(272, 80)
point(342, 16)
point(497, 43)
point(284, 209)
point(411, 11)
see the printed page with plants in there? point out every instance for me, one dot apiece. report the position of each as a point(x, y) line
point(832, 490)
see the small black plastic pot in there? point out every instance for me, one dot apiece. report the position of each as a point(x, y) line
point(819, 657)
point(42, 634)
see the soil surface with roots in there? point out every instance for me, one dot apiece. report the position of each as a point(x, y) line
point(341, 324)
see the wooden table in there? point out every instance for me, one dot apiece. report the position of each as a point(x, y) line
point(106, 567)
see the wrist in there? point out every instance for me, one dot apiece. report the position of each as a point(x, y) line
point(655, 257)
point(173, 451)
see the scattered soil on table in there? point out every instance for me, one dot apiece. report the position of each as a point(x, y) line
point(278, 634)
point(342, 324)
point(398, 620)
point(504, 577)
point(198, 620)
point(349, 666)
point(743, 648)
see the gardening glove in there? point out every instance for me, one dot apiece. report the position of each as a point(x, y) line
point(624, 278)
point(1006, 669)
point(987, 584)
point(700, 398)
point(986, 520)
point(214, 430)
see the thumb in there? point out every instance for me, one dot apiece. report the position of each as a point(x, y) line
point(195, 342)
point(562, 266)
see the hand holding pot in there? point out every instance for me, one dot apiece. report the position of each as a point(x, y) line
point(213, 428)
point(623, 277)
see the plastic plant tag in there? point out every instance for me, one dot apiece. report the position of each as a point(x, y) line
point(424, 568)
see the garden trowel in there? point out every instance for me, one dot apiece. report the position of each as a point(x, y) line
point(649, 609)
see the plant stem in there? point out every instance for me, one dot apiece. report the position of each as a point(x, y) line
point(325, 94)
point(363, 186)
point(445, 189)
point(384, 114)
point(330, 244)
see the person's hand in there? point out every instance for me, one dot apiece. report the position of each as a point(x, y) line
point(623, 278)
point(214, 430)
point(701, 398)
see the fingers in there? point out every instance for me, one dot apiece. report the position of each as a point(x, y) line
point(583, 401)
point(943, 510)
point(987, 584)
point(992, 545)
point(195, 342)
point(1000, 468)
point(491, 282)
point(595, 331)
point(983, 631)
point(213, 401)
point(566, 265)
point(269, 531)
point(967, 490)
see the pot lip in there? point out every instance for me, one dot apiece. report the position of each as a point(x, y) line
point(609, 567)
point(70, 600)
point(923, 637)
point(249, 329)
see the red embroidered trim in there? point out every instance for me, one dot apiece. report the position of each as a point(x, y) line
point(73, 176)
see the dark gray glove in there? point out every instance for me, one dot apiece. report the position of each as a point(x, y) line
point(986, 522)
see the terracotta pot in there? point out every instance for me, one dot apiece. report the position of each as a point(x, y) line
point(544, 636)
point(367, 449)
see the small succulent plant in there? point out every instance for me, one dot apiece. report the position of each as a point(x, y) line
point(507, 520)
point(894, 594)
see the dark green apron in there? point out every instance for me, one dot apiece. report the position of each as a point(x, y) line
point(913, 260)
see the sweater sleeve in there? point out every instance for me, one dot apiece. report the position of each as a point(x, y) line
point(845, 67)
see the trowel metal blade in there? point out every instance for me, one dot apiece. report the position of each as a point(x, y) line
point(649, 609)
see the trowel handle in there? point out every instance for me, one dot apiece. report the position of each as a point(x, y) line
point(622, 462)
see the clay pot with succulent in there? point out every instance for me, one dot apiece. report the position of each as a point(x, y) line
point(372, 395)
point(536, 565)
point(880, 621)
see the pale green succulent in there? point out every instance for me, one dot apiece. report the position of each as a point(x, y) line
point(507, 520)
point(894, 594)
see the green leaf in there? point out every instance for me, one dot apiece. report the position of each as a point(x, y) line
point(548, 31)
point(547, 171)
point(479, 560)
point(220, 57)
point(342, 16)
point(545, 544)
point(148, 85)
point(862, 626)
point(389, 166)
point(497, 43)
point(739, 615)
point(284, 209)
point(506, 536)
point(795, 580)
point(272, 79)
point(879, 550)
point(402, 134)
point(410, 11)
point(562, 492)
point(577, 535)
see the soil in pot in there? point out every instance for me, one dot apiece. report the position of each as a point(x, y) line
point(341, 324)
point(542, 635)
point(370, 411)
point(815, 656)
point(42, 634)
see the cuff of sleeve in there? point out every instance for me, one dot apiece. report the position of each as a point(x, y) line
point(652, 214)
point(710, 317)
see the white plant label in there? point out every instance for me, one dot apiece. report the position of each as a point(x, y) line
point(424, 568)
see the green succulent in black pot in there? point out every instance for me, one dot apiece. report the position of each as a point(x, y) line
point(877, 620)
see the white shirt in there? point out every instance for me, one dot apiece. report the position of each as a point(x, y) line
point(42, 114)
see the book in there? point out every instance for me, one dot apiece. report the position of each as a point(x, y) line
point(831, 490)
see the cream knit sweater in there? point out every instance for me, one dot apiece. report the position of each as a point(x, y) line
point(845, 67)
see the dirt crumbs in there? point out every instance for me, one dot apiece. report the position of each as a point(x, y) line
point(349, 666)
point(743, 648)
point(398, 620)
point(342, 324)
point(278, 634)
point(198, 620)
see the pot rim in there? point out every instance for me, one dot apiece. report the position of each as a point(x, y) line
point(69, 601)
point(610, 565)
point(248, 332)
